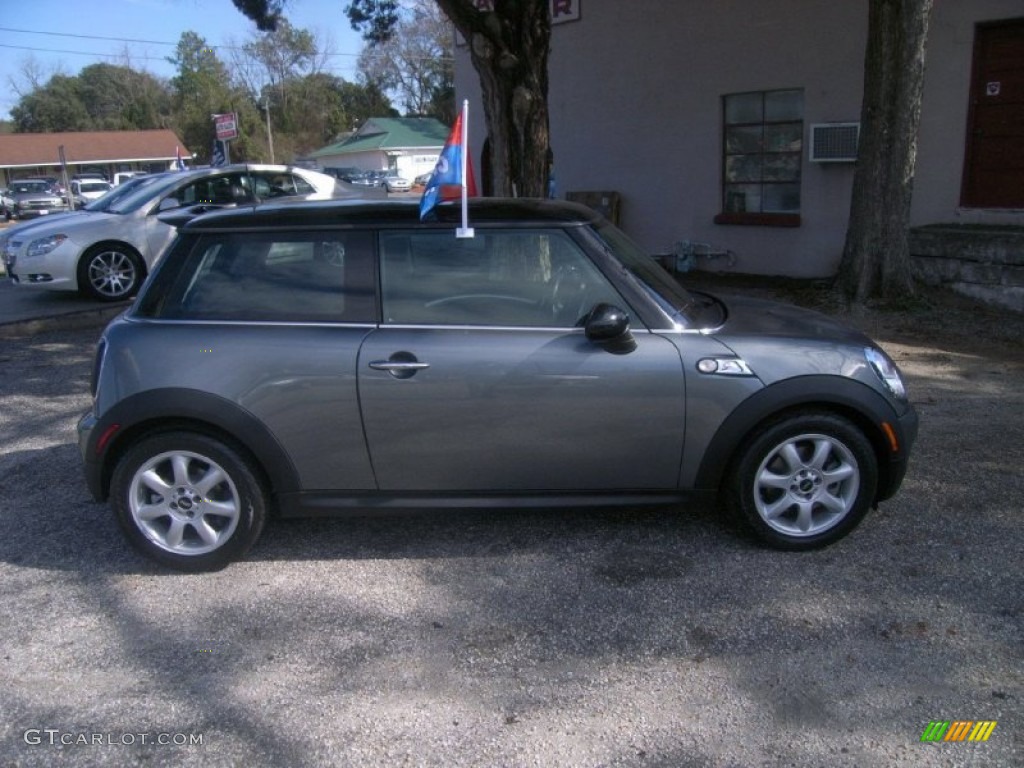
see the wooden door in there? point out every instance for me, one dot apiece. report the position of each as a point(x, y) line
point(994, 166)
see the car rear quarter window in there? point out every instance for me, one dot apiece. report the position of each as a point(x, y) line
point(513, 278)
point(322, 277)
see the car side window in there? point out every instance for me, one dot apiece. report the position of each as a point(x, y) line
point(512, 278)
point(216, 190)
point(270, 185)
point(274, 277)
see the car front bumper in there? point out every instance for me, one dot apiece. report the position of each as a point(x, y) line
point(91, 464)
point(906, 434)
point(55, 270)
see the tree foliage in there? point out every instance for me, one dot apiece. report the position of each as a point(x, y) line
point(266, 13)
point(101, 97)
point(508, 45)
point(416, 63)
point(282, 68)
point(202, 89)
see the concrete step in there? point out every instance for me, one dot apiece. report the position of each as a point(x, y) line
point(985, 262)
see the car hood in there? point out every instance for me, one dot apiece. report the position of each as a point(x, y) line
point(749, 316)
point(780, 340)
point(58, 224)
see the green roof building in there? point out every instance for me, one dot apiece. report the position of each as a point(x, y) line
point(409, 145)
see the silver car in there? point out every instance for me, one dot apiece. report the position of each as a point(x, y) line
point(312, 358)
point(30, 198)
point(105, 253)
point(392, 182)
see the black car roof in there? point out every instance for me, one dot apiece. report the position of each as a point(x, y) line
point(331, 213)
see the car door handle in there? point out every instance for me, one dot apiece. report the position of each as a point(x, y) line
point(397, 366)
point(401, 365)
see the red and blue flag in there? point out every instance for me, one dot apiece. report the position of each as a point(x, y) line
point(445, 182)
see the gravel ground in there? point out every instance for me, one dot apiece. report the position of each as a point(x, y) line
point(610, 638)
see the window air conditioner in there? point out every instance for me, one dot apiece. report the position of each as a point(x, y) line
point(834, 142)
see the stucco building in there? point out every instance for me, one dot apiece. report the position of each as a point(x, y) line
point(408, 145)
point(726, 125)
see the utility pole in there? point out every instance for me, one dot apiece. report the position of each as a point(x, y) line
point(270, 136)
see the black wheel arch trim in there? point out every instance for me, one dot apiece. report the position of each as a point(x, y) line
point(863, 405)
point(179, 408)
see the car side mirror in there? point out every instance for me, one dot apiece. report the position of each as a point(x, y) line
point(177, 216)
point(608, 327)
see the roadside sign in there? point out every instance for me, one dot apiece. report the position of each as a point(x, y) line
point(226, 126)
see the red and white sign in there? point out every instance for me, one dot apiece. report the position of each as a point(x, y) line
point(226, 126)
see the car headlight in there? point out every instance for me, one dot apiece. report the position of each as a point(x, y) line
point(887, 371)
point(44, 245)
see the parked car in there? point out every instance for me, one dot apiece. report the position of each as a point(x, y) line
point(345, 173)
point(392, 182)
point(33, 197)
point(26, 228)
point(306, 358)
point(84, 191)
point(89, 176)
point(107, 253)
point(54, 182)
point(370, 179)
point(422, 179)
point(122, 176)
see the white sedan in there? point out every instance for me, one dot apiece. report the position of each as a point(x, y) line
point(106, 254)
point(395, 183)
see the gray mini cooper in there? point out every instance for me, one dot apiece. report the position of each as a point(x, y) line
point(331, 357)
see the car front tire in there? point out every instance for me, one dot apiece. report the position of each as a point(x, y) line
point(803, 481)
point(188, 501)
point(110, 273)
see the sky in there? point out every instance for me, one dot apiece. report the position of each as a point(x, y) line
point(66, 35)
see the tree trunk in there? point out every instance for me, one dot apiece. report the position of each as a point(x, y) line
point(876, 256)
point(509, 50)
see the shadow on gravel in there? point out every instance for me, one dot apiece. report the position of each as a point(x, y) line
point(651, 637)
point(78, 534)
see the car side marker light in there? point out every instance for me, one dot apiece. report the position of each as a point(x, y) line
point(890, 433)
point(724, 366)
point(108, 433)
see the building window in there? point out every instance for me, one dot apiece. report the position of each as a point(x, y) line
point(762, 148)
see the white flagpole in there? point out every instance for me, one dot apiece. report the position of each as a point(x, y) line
point(465, 230)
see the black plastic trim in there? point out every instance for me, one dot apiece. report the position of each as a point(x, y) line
point(179, 408)
point(867, 407)
point(349, 504)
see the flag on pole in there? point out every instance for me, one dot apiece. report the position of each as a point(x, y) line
point(219, 157)
point(179, 164)
point(454, 165)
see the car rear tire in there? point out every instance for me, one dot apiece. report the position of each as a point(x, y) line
point(803, 481)
point(110, 273)
point(188, 501)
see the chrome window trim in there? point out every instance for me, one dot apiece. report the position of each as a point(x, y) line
point(212, 321)
point(520, 328)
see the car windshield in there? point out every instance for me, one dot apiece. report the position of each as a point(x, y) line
point(30, 188)
point(662, 287)
point(138, 195)
point(119, 193)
